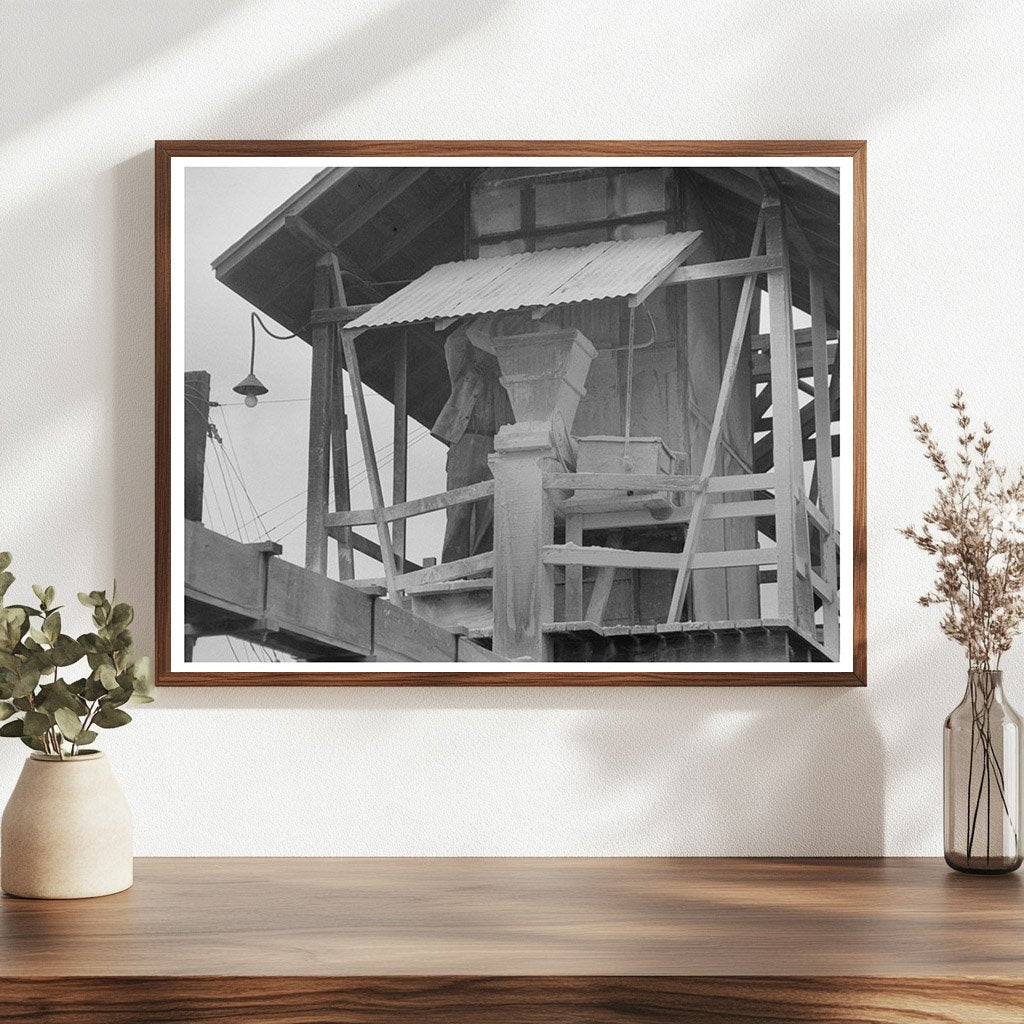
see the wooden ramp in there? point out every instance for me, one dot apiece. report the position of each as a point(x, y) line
point(246, 591)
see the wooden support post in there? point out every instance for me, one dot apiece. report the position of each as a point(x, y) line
point(796, 601)
point(823, 458)
point(524, 523)
point(348, 345)
point(732, 363)
point(339, 437)
point(197, 418)
point(319, 466)
point(401, 435)
point(573, 593)
point(602, 590)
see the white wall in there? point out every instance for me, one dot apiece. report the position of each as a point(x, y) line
point(936, 88)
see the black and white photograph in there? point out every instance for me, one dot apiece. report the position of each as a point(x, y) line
point(516, 414)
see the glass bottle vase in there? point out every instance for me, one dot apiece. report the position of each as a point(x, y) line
point(981, 771)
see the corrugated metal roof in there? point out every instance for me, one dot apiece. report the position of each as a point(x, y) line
point(494, 284)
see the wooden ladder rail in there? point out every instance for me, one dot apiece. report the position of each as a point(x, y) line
point(732, 363)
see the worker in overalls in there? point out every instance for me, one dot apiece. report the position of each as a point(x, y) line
point(477, 409)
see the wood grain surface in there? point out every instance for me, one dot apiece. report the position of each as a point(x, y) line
point(506, 940)
point(166, 150)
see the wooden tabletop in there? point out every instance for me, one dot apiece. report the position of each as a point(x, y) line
point(511, 917)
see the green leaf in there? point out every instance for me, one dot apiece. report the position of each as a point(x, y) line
point(122, 616)
point(94, 645)
point(31, 741)
point(38, 635)
point(5, 560)
point(13, 623)
point(51, 626)
point(89, 600)
point(107, 676)
point(69, 724)
point(6, 710)
point(27, 681)
point(13, 728)
point(36, 723)
point(59, 695)
point(109, 717)
point(66, 651)
point(86, 736)
point(40, 593)
point(50, 594)
point(6, 579)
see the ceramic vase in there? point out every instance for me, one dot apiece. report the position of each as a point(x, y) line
point(66, 831)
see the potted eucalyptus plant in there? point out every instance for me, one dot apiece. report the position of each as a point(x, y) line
point(975, 532)
point(66, 830)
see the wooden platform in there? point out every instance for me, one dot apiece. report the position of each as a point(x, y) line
point(502, 941)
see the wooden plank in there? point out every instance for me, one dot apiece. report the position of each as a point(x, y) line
point(369, 455)
point(438, 573)
point(732, 362)
point(619, 558)
point(744, 482)
point(723, 268)
point(400, 469)
point(398, 635)
point(318, 464)
point(823, 463)
point(618, 482)
point(761, 369)
point(416, 507)
point(641, 518)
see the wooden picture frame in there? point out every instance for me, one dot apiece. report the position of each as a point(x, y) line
point(804, 203)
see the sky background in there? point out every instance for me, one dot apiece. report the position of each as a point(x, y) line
point(268, 445)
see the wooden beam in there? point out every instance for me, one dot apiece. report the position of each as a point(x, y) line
point(339, 440)
point(301, 228)
point(340, 314)
point(436, 573)
point(743, 482)
point(400, 466)
point(823, 463)
point(318, 470)
point(416, 507)
point(791, 536)
point(732, 362)
point(369, 455)
point(371, 550)
point(618, 482)
point(620, 558)
point(722, 269)
point(573, 593)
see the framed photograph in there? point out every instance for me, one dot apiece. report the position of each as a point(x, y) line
point(492, 413)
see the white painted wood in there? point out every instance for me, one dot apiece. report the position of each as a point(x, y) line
point(619, 558)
